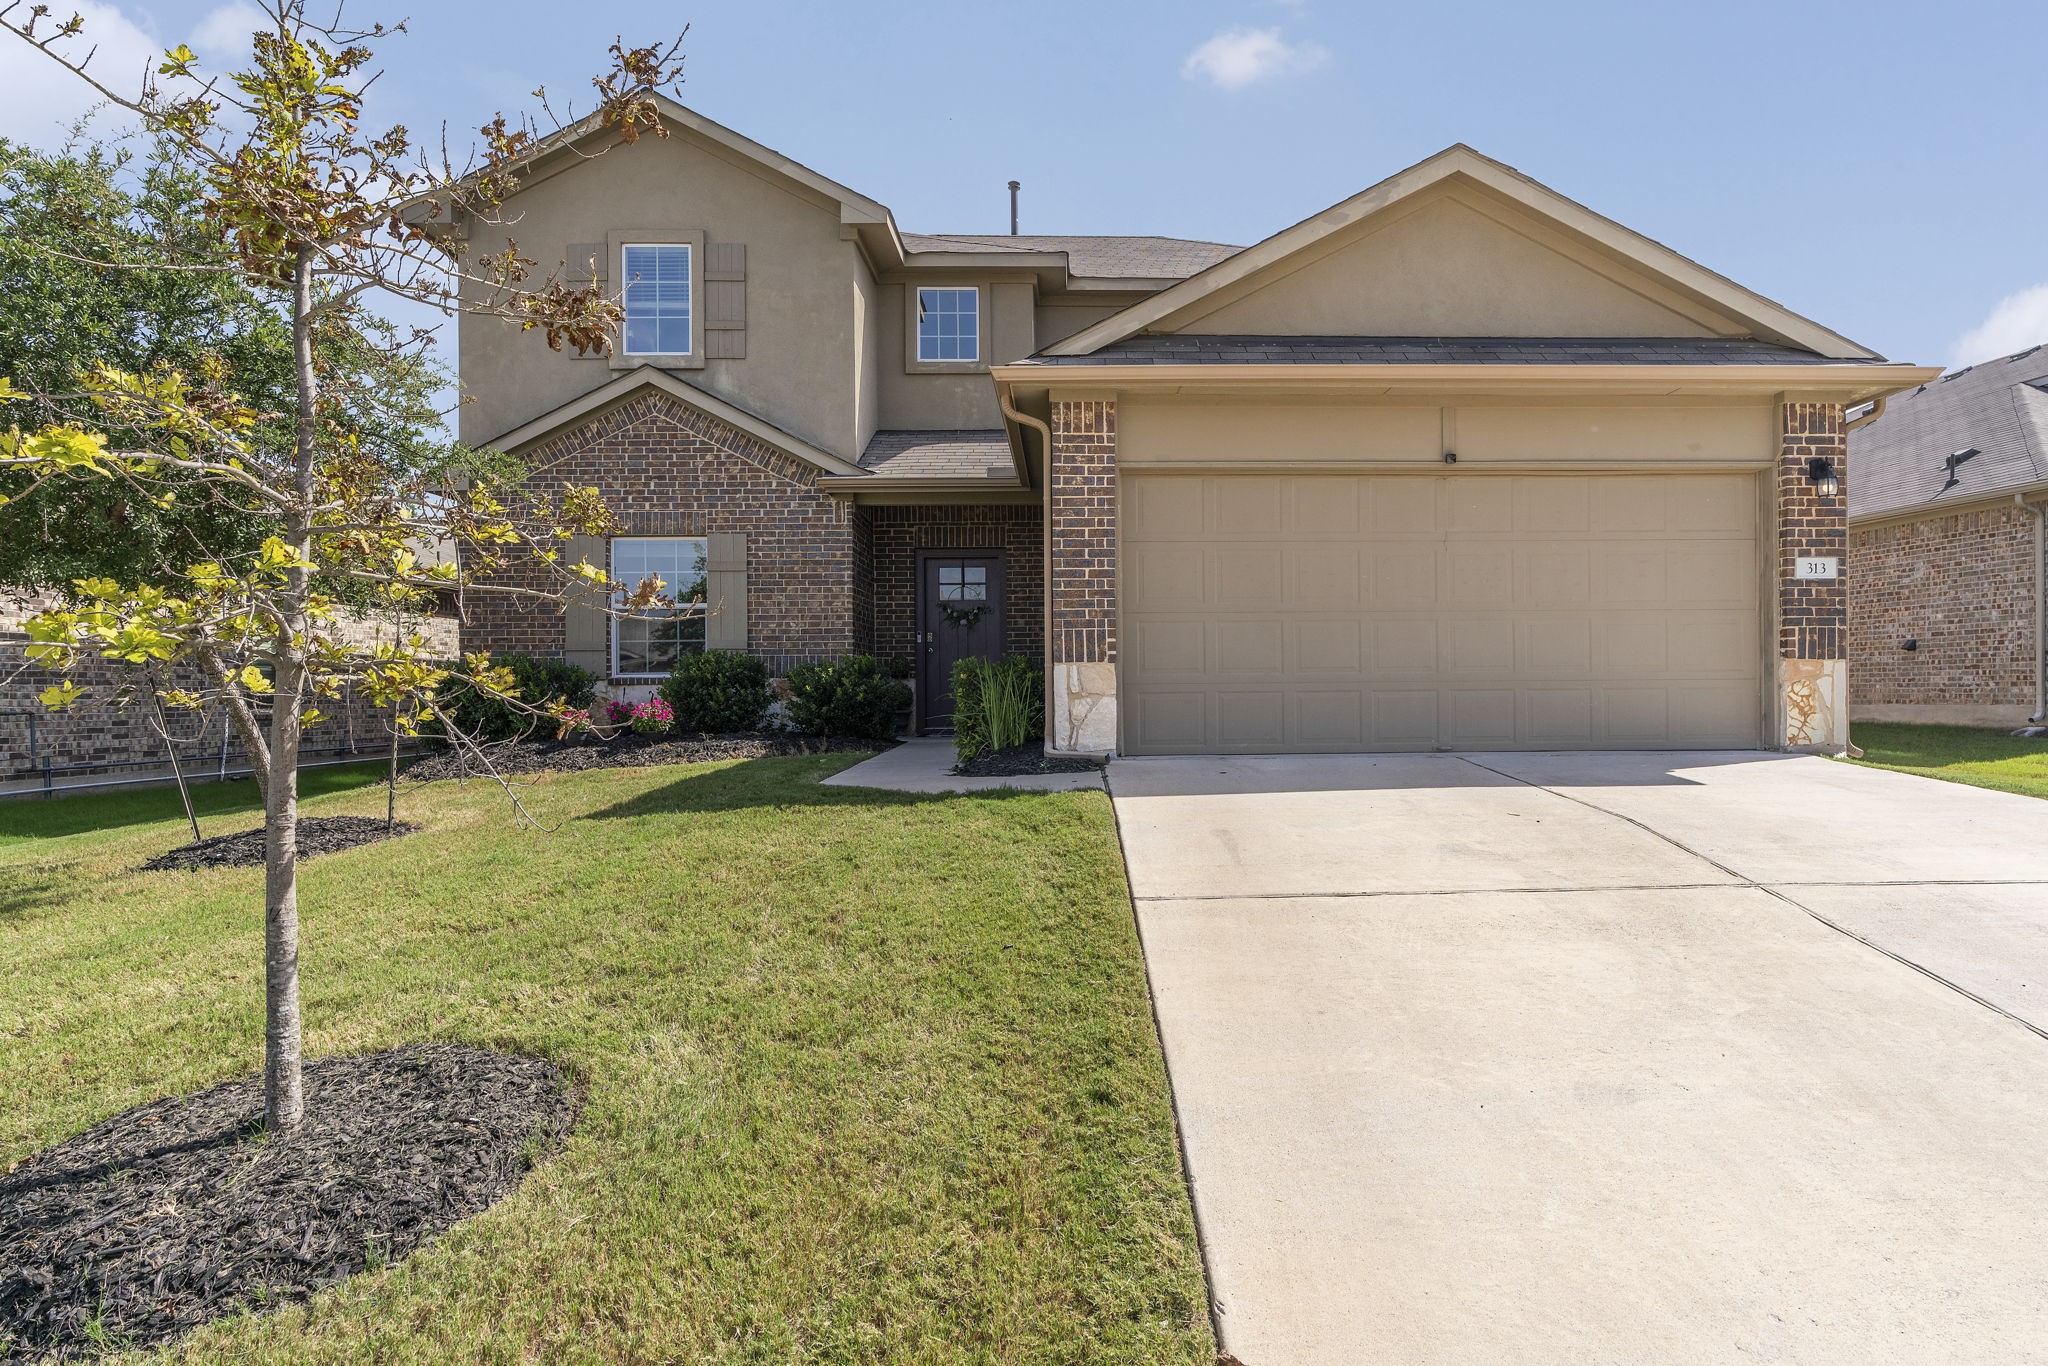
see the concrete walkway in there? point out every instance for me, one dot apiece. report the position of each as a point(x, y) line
point(1603, 1058)
point(924, 763)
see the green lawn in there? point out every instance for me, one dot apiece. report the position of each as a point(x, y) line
point(871, 1078)
point(1961, 754)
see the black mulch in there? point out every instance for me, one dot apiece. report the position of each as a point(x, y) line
point(317, 835)
point(626, 751)
point(1022, 759)
point(181, 1211)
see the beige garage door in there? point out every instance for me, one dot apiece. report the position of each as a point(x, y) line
point(1309, 613)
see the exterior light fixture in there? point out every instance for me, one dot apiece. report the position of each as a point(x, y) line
point(1826, 482)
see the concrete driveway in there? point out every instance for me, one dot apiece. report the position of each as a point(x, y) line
point(1607, 1058)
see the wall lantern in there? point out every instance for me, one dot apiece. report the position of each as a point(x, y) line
point(1826, 482)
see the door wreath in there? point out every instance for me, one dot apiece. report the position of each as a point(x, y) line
point(962, 616)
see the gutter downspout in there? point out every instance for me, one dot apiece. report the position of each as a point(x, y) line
point(2040, 516)
point(1876, 412)
point(1023, 419)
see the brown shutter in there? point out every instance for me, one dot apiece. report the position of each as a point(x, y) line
point(583, 263)
point(727, 556)
point(725, 300)
point(586, 638)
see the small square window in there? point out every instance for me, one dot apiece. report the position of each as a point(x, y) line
point(949, 325)
point(657, 299)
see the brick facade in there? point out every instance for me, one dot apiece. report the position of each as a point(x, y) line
point(1081, 512)
point(896, 534)
point(1961, 586)
point(1812, 614)
point(667, 469)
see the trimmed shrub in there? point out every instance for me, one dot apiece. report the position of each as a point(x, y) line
point(852, 697)
point(718, 691)
point(540, 680)
point(997, 704)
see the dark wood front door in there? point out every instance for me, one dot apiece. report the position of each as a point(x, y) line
point(960, 616)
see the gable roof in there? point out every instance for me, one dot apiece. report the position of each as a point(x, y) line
point(586, 406)
point(1765, 319)
point(1998, 408)
point(1109, 258)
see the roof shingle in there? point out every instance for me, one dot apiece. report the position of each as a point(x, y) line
point(1998, 408)
point(1111, 258)
point(940, 455)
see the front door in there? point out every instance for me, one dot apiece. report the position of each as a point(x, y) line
point(960, 616)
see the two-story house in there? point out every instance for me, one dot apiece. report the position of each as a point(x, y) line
point(1456, 463)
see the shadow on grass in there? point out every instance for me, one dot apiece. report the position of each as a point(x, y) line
point(51, 817)
point(782, 781)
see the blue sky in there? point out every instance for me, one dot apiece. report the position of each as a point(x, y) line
point(1877, 166)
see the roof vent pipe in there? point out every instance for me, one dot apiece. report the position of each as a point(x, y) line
point(1014, 187)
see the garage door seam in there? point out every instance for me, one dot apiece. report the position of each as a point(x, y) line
point(1773, 891)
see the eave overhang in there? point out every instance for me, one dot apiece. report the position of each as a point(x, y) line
point(1846, 384)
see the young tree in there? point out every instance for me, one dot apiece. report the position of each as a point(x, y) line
point(321, 214)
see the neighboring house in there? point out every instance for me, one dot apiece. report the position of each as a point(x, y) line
point(1945, 530)
point(1456, 463)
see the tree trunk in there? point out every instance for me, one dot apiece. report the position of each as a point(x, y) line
point(284, 1101)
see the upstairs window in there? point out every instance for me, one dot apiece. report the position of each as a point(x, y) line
point(657, 299)
point(949, 324)
point(648, 643)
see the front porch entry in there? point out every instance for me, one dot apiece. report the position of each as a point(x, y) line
point(960, 607)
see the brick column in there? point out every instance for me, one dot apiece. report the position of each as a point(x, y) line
point(1813, 614)
point(1080, 575)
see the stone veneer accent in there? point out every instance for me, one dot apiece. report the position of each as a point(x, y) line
point(1813, 615)
point(896, 534)
point(1961, 585)
point(1081, 575)
point(667, 469)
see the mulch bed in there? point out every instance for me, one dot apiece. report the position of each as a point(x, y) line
point(626, 751)
point(1019, 760)
point(181, 1211)
point(317, 835)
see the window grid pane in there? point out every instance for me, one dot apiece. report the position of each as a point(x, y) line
point(651, 642)
point(657, 300)
point(948, 324)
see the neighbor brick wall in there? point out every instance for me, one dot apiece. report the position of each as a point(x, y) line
point(666, 469)
point(1081, 492)
point(900, 532)
point(1962, 585)
point(1812, 614)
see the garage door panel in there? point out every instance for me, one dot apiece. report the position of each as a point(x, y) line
point(1359, 612)
point(1251, 719)
point(1334, 718)
point(1554, 647)
point(1165, 507)
point(1402, 578)
point(1326, 506)
point(1165, 576)
point(1324, 576)
point(1247, 648)
point(1403, 506)
point(1478, 646)
point(1329, 645)
point(1246, 508)
point(1247, 576)
point(1170, 649)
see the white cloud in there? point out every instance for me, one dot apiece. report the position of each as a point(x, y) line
point(223, 35)
point(39, 100)
point(1240, 57)
point(2018, 322)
